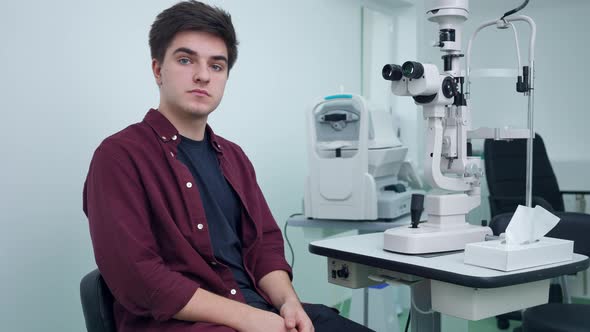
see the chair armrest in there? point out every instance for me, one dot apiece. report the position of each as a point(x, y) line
point(575, 192)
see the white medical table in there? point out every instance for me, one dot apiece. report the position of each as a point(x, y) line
point(362, 226)
point(440, 283)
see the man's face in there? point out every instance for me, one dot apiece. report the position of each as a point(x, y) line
point(193, 74)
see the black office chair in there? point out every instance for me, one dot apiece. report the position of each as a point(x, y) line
point(97, 303)
point(505, 166)
point(557, 317)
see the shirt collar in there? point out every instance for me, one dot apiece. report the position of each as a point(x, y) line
point(213, 139)
point(167, 132)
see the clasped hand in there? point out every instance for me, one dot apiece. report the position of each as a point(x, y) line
point(292, 319)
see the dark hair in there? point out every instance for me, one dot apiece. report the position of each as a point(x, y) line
point(192, 15)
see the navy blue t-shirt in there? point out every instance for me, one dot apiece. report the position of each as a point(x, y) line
point(222, 208)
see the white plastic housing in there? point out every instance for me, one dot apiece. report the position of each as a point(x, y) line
point(479, 303)
point(349, 186)
point(428, 239)
point(429, 84)
point(449, 14)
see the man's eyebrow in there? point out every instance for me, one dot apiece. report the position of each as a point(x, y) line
point(191, 52)
point(219, 58)
point(185, 50)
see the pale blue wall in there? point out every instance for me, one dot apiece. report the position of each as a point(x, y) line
point(74, 72)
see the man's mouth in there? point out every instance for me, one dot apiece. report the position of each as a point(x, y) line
point(199, 92)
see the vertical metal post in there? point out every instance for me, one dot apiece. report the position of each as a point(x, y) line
point(423, 318)
point(529, 147)
point(365, 293)
point(366, 306)
point(580, 203)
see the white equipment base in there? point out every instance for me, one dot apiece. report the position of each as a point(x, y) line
point(427, 239)
point(509, 257)
point(479, 303)
point(457, 289)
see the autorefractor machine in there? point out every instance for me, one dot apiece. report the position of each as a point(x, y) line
point(354, 160)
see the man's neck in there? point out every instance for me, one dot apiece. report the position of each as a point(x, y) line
point(189, 126)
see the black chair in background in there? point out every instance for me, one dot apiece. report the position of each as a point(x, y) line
point(557, 317)
point(505, 167)
point(97, 303)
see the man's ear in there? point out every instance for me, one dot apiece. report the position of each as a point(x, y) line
point(157, 70)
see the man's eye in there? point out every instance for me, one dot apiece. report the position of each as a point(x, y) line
point(184, 61)
point(217, 67)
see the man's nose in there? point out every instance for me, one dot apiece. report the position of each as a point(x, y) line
point(202, 73)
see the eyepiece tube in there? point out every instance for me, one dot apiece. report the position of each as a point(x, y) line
point(412, 69)
point(392, 72)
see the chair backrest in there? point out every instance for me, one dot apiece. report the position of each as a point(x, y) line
point(505, 166)
point(573, 226)
point(97, 303)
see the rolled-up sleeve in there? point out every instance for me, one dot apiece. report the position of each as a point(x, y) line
point(125, 248)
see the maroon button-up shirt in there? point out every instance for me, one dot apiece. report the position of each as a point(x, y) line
point(149, 231)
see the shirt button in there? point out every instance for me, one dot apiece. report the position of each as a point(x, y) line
point(174, 138)
point(233, 292)
point(189, 185)
point(164, 137)
point(214, 263)
point(200, 226)
point(172, 154)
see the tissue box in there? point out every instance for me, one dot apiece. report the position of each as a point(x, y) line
point(509, 257)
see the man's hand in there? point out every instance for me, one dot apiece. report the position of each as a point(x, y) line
point(263, 321)
point(295, 317)
point(205, 306)
point(278, 287)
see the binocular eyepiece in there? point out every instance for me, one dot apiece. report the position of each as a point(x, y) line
point(410, 69)
point(392, 72)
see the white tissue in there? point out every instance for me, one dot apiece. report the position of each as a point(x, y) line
point(529, 224)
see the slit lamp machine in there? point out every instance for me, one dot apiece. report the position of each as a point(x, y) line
point(448, 169)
